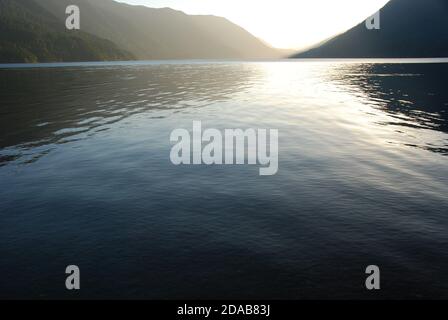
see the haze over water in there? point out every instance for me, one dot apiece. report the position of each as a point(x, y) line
point(86, 179)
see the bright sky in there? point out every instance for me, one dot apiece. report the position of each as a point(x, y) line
point(291, 24)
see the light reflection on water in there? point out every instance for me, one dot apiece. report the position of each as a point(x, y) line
point(85, 177)
point(50, 106)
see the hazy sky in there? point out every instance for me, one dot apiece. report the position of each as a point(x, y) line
point(281, 23)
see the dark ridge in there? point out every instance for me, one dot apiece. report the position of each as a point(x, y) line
point(409, 29)
point(29, 33)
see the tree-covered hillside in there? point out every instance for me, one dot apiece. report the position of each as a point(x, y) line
point(29, 33)
point(150, 33)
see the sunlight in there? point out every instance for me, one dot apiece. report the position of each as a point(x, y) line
point(284, 23)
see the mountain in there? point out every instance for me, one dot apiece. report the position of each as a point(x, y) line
point(29, 33)
point(409, 29)
point(164, 33)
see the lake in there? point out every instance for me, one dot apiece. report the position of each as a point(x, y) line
point(86, 179)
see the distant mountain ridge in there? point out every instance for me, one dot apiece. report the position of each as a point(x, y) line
point(409, 29)
point(34, 31)
point(150, 33)
point(28, 33)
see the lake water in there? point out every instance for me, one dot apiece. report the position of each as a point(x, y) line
point(86, 179)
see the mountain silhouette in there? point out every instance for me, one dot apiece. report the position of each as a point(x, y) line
point(165, 33)
point(408, 29)
point(28, 33)
point(34, 31)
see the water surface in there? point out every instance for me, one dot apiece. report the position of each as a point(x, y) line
point(85, 179)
